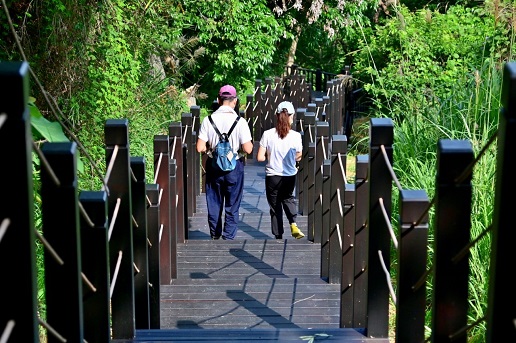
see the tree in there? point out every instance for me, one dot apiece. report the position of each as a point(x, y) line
point(239, 38)
point(323, 32)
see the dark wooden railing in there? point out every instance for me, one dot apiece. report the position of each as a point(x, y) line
point(108, 252)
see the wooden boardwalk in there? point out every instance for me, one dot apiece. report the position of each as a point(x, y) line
point(254, 288)
point(254, 281)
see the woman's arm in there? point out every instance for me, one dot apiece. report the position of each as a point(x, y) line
point(260, 156)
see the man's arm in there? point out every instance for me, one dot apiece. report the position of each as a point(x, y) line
point(201, 145)
point(247, 147)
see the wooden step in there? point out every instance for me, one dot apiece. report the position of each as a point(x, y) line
point(256, 335)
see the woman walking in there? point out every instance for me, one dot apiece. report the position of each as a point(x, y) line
point(282, 148)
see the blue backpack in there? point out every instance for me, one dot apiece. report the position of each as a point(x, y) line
point(223, 156)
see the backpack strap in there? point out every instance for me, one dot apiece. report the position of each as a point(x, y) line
point(225, 136)
point(234, 124)
point(215, 127)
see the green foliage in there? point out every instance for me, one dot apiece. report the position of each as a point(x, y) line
point(124, 80)
point(240, 39)
point(8, 51)
point(114, 71)
point(424, 54)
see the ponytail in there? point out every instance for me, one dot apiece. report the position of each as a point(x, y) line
point(282, 124)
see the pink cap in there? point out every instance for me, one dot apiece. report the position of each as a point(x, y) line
point(227, 91)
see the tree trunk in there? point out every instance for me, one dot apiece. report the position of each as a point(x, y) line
point(293, 47)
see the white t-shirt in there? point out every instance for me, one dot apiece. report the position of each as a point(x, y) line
point(281, 153)
point(224, 117)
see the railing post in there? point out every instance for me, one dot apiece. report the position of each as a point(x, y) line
point(121, 228)
point(269, 110)
point(204, 160)
point(308, 137)
point(251, 120)
point(319, 109)
point(451, 234)
point(161, 177)
point(312, 108)
point(325, 221)
point(326, 109)
point(295, 94)
point(339, 149)
point(300, 118)
point(331, 112)
point(411, 266)
point(303, 92)
point(501, 309)
point(361, 241)
point(185, 193)
point(176, 155)
point(380, 190)
point(318, 80)
point(63, 283)
point(174, 228)
point(196, 119)
point(17, 209)
point(338, 103)
point(277, 93)
point(196, 166)
point(187, 121)
point(258, 109)
point(310, 190)
point(348, 102)
point(141, 277)
point(95, 266)
point(322, 130)
point(153, 231)
point(347, 278)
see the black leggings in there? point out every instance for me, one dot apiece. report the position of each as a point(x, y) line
point(280, 196)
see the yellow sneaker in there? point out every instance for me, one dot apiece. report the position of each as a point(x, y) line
point(296, 233)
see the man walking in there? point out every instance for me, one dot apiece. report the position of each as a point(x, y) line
point(224, 189)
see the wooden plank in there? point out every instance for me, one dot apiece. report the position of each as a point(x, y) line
point(238, 295)
point(212, 308)
point(255, 335)
point(251, 319)
point(222, 305)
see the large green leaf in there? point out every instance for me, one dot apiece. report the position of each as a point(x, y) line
point(47, 130)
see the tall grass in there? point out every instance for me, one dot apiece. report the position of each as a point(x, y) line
point(466, 108)
point(471, 113)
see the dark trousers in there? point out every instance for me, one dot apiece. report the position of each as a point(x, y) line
point(224, 191)
point(280, 196)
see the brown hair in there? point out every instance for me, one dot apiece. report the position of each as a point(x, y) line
point(282, 124)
